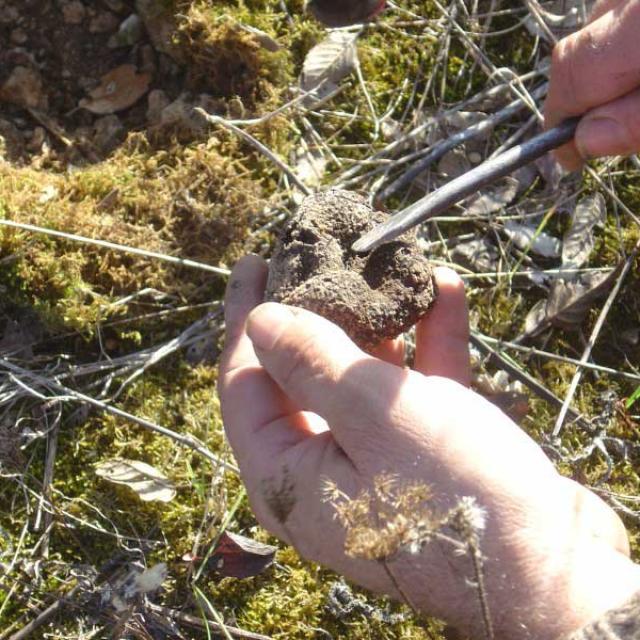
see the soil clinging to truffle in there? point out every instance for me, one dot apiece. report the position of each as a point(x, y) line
point(373, 297)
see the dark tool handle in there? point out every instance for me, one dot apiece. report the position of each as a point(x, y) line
point(465, 185)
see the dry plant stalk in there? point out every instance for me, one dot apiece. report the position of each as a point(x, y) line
point(395, 517)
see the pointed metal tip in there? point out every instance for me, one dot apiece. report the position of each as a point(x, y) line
point(361, 245)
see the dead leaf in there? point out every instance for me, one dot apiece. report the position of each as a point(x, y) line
point(479, 255)
point(120, 591)
point(118, 90)
point(265, 40)
point(454, 163)
point(493, 198)
point(149, 580)
point(569, 302)
point(239, 557)
point(550, 171)
point(578, 241)
point(525, 237)
point(535, 322)
point(144, 479)
point(329, 62)
point(562, 18)
point(310, 165)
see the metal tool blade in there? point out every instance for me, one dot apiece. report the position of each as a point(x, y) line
point(465, 185)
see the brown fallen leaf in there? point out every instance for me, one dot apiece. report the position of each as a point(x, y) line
point(578, 242)
point(569, 302)
point(118, 90)
point(239, 557)
point(326, 64)
point(493, 198)
point(478, 254)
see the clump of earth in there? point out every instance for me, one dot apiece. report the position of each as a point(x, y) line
point(374, 296)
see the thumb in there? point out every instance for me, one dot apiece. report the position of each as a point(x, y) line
point(611, 130)
point(321, 370)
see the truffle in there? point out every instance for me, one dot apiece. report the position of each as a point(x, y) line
point(374, 296)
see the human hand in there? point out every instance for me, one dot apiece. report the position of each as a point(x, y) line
point(302, 404)
point(596, 72)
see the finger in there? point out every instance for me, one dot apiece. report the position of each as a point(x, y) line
point(391, 351)
point(582, 64)
point(569, 156)
point(610, 130)
point(323, 371)
point(613, 129)
point(249, 398)
point(603, 6)
point(245, 291)
point(602, 521)
point(442, 337)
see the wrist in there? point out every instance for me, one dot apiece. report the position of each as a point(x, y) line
point(586, 583)
point(602, 579)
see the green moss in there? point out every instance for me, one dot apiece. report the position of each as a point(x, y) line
point(202, 197)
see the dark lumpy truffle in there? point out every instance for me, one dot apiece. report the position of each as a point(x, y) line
point(374, 296)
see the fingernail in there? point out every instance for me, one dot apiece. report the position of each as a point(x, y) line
point(598, 137)
point(266, 323)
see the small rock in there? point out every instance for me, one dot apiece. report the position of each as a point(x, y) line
point(9, 15)
point(38, 138)
point(129, 32)
point(148, 60)
point(104, 22)
point(24, 88)
point(631, 336)
point(18, 36)
point(86, 83)
point(211, 105)
point(181, 114)
point(157, 101)
point(18, 56)
point(11, 141)
point(167, 68)
point(73, 12)
point(160, 23)
point(117, 6)
point(109, 133)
